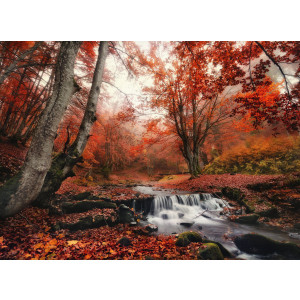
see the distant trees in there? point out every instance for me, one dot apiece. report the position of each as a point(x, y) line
point(27, 77)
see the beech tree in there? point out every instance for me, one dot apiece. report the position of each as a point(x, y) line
point(63, 163)
point(189, 93)
point(23, 188)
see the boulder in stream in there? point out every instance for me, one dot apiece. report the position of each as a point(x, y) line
point(261, 245)
point(247, 219)
point(210, 252)
point(187, 223)
point(188, 237)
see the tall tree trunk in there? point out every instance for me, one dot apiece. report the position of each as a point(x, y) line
point(24, 188)
point(62, 165)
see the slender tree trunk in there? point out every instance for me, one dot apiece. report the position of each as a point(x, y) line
point(24, 188)
point(62, 165)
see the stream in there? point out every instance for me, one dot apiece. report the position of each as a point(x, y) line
point(175, 213)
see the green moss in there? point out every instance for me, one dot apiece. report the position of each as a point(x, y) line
point(224, 251)
point(210, 252)
point(188, 237)
point(232, 193)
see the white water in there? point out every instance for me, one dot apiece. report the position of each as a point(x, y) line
point(203, 212)
point(167, 212)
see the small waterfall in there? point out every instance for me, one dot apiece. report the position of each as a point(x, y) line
point(170, 213)
point(182, 205)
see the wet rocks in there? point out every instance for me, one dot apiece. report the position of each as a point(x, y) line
point(223, 250)
point(210, 252)
point(164, 217)
point(261, 245)
point(126, 215)
point(236, 195)
point(151, 228)
point(188, 237)
point(180, 215)
point(187, 223)
point(246, 219)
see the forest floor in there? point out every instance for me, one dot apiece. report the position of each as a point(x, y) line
point(30, 234)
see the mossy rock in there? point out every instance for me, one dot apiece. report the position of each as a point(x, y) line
point(188, 237)
point(82, 206)
point(82, 196)
point(210, 252)
point(248, 219)
point(261, 245)
point(232, 193)
point(224, 251)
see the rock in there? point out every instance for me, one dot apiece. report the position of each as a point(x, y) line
point(124, 241)
point(236, 195)
point(133, 223)
point(261, 245)
point(85, 205)
point(260, 187)
point(297, 225)
point(126, 215)
point(93, 197)
point(82, 196)
point(224, 251)
point(180, 215)
point(270, 213)
point(232, 193)
point(248, 219)
point(210, 252)
point(164, 216)
point(151, 228)
point(85, 223)
point(294, 235)
point(187, 223)
point(188, 237)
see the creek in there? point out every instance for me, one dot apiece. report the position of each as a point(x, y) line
point(175, 213)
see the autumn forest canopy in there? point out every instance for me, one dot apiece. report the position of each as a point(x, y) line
point(75, 116)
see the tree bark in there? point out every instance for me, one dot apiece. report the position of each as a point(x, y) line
point(24, 188)
point(62, 165)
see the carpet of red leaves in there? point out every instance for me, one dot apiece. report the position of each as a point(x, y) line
point(28, 236)
point(213, 183)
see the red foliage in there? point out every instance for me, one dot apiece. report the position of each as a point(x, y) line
point(28, 237)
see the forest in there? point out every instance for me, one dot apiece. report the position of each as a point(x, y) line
point(186, 150)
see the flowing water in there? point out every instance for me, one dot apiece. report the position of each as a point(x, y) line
point(201, 212)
